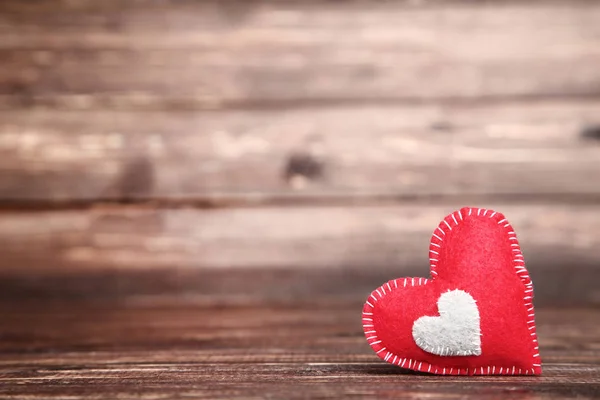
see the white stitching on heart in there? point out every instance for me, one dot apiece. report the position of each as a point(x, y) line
point(521, 273)
point(455, 332)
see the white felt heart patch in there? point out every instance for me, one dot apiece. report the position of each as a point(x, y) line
point(456, 332)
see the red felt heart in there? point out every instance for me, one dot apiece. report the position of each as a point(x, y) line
point(475, 315)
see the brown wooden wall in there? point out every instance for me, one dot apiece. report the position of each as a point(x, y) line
point(255, 150)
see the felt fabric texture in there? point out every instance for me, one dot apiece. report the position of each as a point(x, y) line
point(475, 251)
point(455, 332)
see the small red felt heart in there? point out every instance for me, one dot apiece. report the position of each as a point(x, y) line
point(473, 317)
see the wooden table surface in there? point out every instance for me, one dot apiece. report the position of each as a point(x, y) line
point(187, 350)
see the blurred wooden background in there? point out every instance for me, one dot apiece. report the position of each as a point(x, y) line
point(253, 151)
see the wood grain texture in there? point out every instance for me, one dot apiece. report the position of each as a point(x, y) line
point(507, 148)
point(314, 350)
point(273, 252)
point(219, 54)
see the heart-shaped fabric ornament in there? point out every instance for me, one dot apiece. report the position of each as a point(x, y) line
point(474, 316)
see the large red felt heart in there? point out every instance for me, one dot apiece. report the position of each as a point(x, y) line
point(479, 289)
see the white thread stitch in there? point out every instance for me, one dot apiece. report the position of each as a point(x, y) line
point(454, 219)
point(521, 272)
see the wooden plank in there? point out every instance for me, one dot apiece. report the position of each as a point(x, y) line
point(79, 351)
point(208, 54)
point(509, 148)
point(272, 253)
